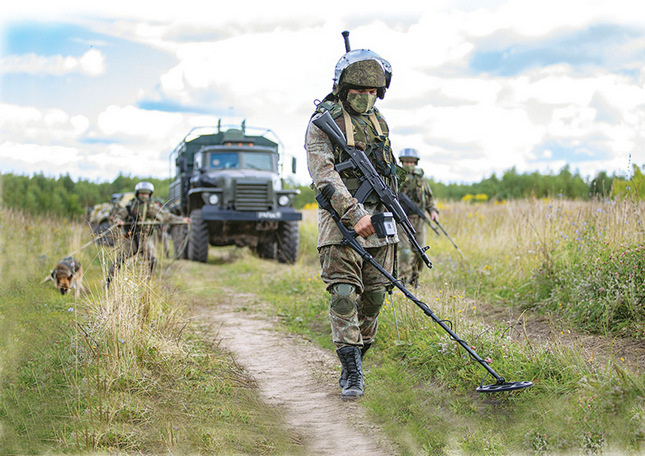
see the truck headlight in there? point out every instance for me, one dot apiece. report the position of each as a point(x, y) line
point(213, 199)
point(283, 200)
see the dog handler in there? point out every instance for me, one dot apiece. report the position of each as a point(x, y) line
point(138, 236)
point(357, 289)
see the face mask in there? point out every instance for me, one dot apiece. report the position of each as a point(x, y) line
point(361, 102)
point(409, 167)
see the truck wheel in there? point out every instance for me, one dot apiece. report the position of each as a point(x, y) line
point(105, 238)
point(198, 239)
point(267, 249)
point(179, 241)
point(288, 241)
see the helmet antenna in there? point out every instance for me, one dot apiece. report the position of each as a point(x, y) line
point(346, 38)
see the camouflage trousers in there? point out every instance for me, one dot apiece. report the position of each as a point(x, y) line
point(356, 322)
point(138, 244)
point(410, 263)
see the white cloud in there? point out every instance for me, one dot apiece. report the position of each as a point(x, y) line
point(29, 124)
point(251, 62)
point(133, 122)
point(92, 63)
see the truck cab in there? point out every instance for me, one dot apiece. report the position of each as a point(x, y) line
point(229, 183)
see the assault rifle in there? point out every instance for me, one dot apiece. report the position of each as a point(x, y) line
point(349, 238)
point(370, 181)
point(411, 207)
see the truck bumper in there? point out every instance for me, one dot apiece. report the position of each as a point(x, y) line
point(213, 213)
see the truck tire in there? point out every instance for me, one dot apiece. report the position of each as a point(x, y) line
point(179, 241)
point(288, 242)
point(198, 238)
point(267, 249)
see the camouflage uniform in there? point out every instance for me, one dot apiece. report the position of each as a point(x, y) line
point(417, 188)
point(139, 237)
point(354, 317)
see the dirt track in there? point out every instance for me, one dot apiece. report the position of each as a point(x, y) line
point(301, 380)
point(295, 376)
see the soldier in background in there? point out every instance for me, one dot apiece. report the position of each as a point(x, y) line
point(418, 189)
point(357, 288)
point(139, 218)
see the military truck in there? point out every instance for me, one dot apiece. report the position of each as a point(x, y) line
point(228, 181)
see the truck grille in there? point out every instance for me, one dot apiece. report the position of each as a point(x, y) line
point(252, 196)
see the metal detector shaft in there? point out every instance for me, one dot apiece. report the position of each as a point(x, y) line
point(324, 200)
point(449, 238)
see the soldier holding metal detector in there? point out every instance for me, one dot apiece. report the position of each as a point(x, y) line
point(355, 177)
point(348, 148)
point(416, 188)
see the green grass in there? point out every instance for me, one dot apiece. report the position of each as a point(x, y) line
point(120, 372)
point(128, 375)
point(420, 384)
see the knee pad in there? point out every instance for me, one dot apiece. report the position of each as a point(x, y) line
point(343, 298)
point(371, 302)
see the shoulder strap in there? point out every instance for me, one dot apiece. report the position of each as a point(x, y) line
point(349, 129)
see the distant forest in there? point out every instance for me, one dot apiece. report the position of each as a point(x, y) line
point(65, 197)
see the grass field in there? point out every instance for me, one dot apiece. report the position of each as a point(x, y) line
point(112, 373)
point(104, 374)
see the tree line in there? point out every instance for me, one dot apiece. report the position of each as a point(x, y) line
point(65, 197)
point(566, 184)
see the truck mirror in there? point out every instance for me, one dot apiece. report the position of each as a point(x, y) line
point(293, 165)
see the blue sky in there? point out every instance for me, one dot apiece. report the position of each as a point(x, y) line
point(478, 87)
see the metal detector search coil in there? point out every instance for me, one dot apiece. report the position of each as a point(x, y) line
point(505, 386)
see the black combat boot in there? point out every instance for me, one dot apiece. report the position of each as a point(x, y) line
point(343, 375)
point(350, 358)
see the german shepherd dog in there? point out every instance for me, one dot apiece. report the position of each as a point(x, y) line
point(67, 274)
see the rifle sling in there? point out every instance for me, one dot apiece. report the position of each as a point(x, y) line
point(349, 127)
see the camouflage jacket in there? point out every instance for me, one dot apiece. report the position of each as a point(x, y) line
point(321, 158)
point(137, 211)
point(418, 189)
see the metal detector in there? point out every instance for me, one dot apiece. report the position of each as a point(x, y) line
point(349, 238)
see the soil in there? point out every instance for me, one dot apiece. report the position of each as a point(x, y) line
point(545, 331)
point(293, 375)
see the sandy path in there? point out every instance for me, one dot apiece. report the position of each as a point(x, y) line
point(298, 378)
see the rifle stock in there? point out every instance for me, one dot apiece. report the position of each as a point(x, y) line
point(371, 181)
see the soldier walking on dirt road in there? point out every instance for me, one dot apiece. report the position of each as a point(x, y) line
point(357, 288)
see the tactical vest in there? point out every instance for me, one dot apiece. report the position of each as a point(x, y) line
point(369, 134)
point(413, 186)
point(138, 211)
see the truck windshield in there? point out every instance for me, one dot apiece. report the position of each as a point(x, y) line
point(256, 160)
point(224, 161)
point(243, 160)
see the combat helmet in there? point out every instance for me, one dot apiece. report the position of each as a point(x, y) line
point(409, 153)
point(144, 187)
point(361, 68)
